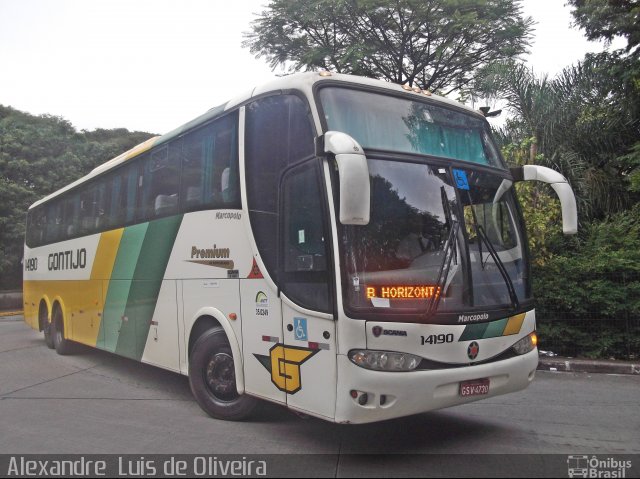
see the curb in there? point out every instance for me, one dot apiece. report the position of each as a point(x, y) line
point(10, 313)
point(588, 366)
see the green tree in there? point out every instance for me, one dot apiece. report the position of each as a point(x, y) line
point(607, 19)
point(433, 44)
point(584, 122)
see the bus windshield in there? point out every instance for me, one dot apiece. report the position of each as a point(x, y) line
point(430, 248)
point(391, 123)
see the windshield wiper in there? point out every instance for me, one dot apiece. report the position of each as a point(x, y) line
point(445, 266)
point(450, 252)
point(483, 238)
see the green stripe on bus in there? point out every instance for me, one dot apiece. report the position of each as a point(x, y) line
point(473, 331)
point(147, 280)
point(495, 329)
point(120, 285)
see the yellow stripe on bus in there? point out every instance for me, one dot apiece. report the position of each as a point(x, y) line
point(106, 254)
point(514, 325)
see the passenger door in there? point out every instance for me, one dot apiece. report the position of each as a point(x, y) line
point(309, 353)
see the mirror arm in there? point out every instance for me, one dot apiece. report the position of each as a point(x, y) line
point(560, 185)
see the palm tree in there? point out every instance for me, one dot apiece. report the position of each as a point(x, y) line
point(581, 122)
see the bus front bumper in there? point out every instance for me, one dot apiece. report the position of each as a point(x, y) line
point(396, 394)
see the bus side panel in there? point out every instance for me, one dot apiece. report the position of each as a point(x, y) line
point(119, 286)
point(135, 285)
point(161, 348)
point(83, 300)
point(214, 294)
point(32, 294)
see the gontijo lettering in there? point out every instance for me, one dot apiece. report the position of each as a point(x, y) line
point(69, 259)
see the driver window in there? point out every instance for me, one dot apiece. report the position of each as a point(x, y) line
point(304, 276)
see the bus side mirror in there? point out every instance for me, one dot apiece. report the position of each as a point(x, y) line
point(560, 185)
point(353, 171)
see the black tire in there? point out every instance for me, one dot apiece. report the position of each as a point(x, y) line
point(46, 327)
point(212, 378)
point(62, 345)
point(48, 337)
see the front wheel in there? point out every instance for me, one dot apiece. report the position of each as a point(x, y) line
point(213, 380)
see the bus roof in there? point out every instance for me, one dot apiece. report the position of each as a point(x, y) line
point(304, 82)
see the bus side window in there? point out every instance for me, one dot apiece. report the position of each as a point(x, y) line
point(121, 203)
point(71, 215)
point(197, 153)
point(54, 225)
point(114, 211)
point(279, 133)
point(226, 180)
point(102, 203)
point(129, 193)
point(210, 166)
point(160, 182)
point(87, 210)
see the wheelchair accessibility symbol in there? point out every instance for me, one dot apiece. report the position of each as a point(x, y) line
point(460, 177)
point(300, 329)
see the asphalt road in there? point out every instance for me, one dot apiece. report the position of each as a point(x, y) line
point(98, 403)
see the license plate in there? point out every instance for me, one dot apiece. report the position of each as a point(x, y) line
point(476, 387)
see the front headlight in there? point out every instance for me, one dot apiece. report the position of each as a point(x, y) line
point(384, 360)
point(526, 344)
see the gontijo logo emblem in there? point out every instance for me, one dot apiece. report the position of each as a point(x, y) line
point(284, 364)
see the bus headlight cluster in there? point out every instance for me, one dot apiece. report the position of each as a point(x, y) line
point(384, 360)
point(526, 344)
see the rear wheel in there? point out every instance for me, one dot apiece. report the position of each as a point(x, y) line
point(212, 378)
point(45, 326)
point(62, 345)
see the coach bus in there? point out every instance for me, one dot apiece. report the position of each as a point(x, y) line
point(346, 247)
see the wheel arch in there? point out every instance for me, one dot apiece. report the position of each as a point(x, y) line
point(207, 318)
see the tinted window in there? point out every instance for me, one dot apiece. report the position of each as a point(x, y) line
point(160, 184)
point(399, 124)
point(71, 215)
point(54, 226)
point(210, 166)
point(196, 171)
point(304, 257)
point(88, 210)
point(278, 134)
point(122, 199)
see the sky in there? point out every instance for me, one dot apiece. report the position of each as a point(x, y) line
point(152, 65)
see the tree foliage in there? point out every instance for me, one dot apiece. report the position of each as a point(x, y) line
point(585, 122)
point(38, 155)
point(593, 281)
point(433, 44)
point(607, 19)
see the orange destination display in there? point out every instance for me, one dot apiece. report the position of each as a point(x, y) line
point(403, 292)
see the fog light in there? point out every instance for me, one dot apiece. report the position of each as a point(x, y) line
point(362, 400)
